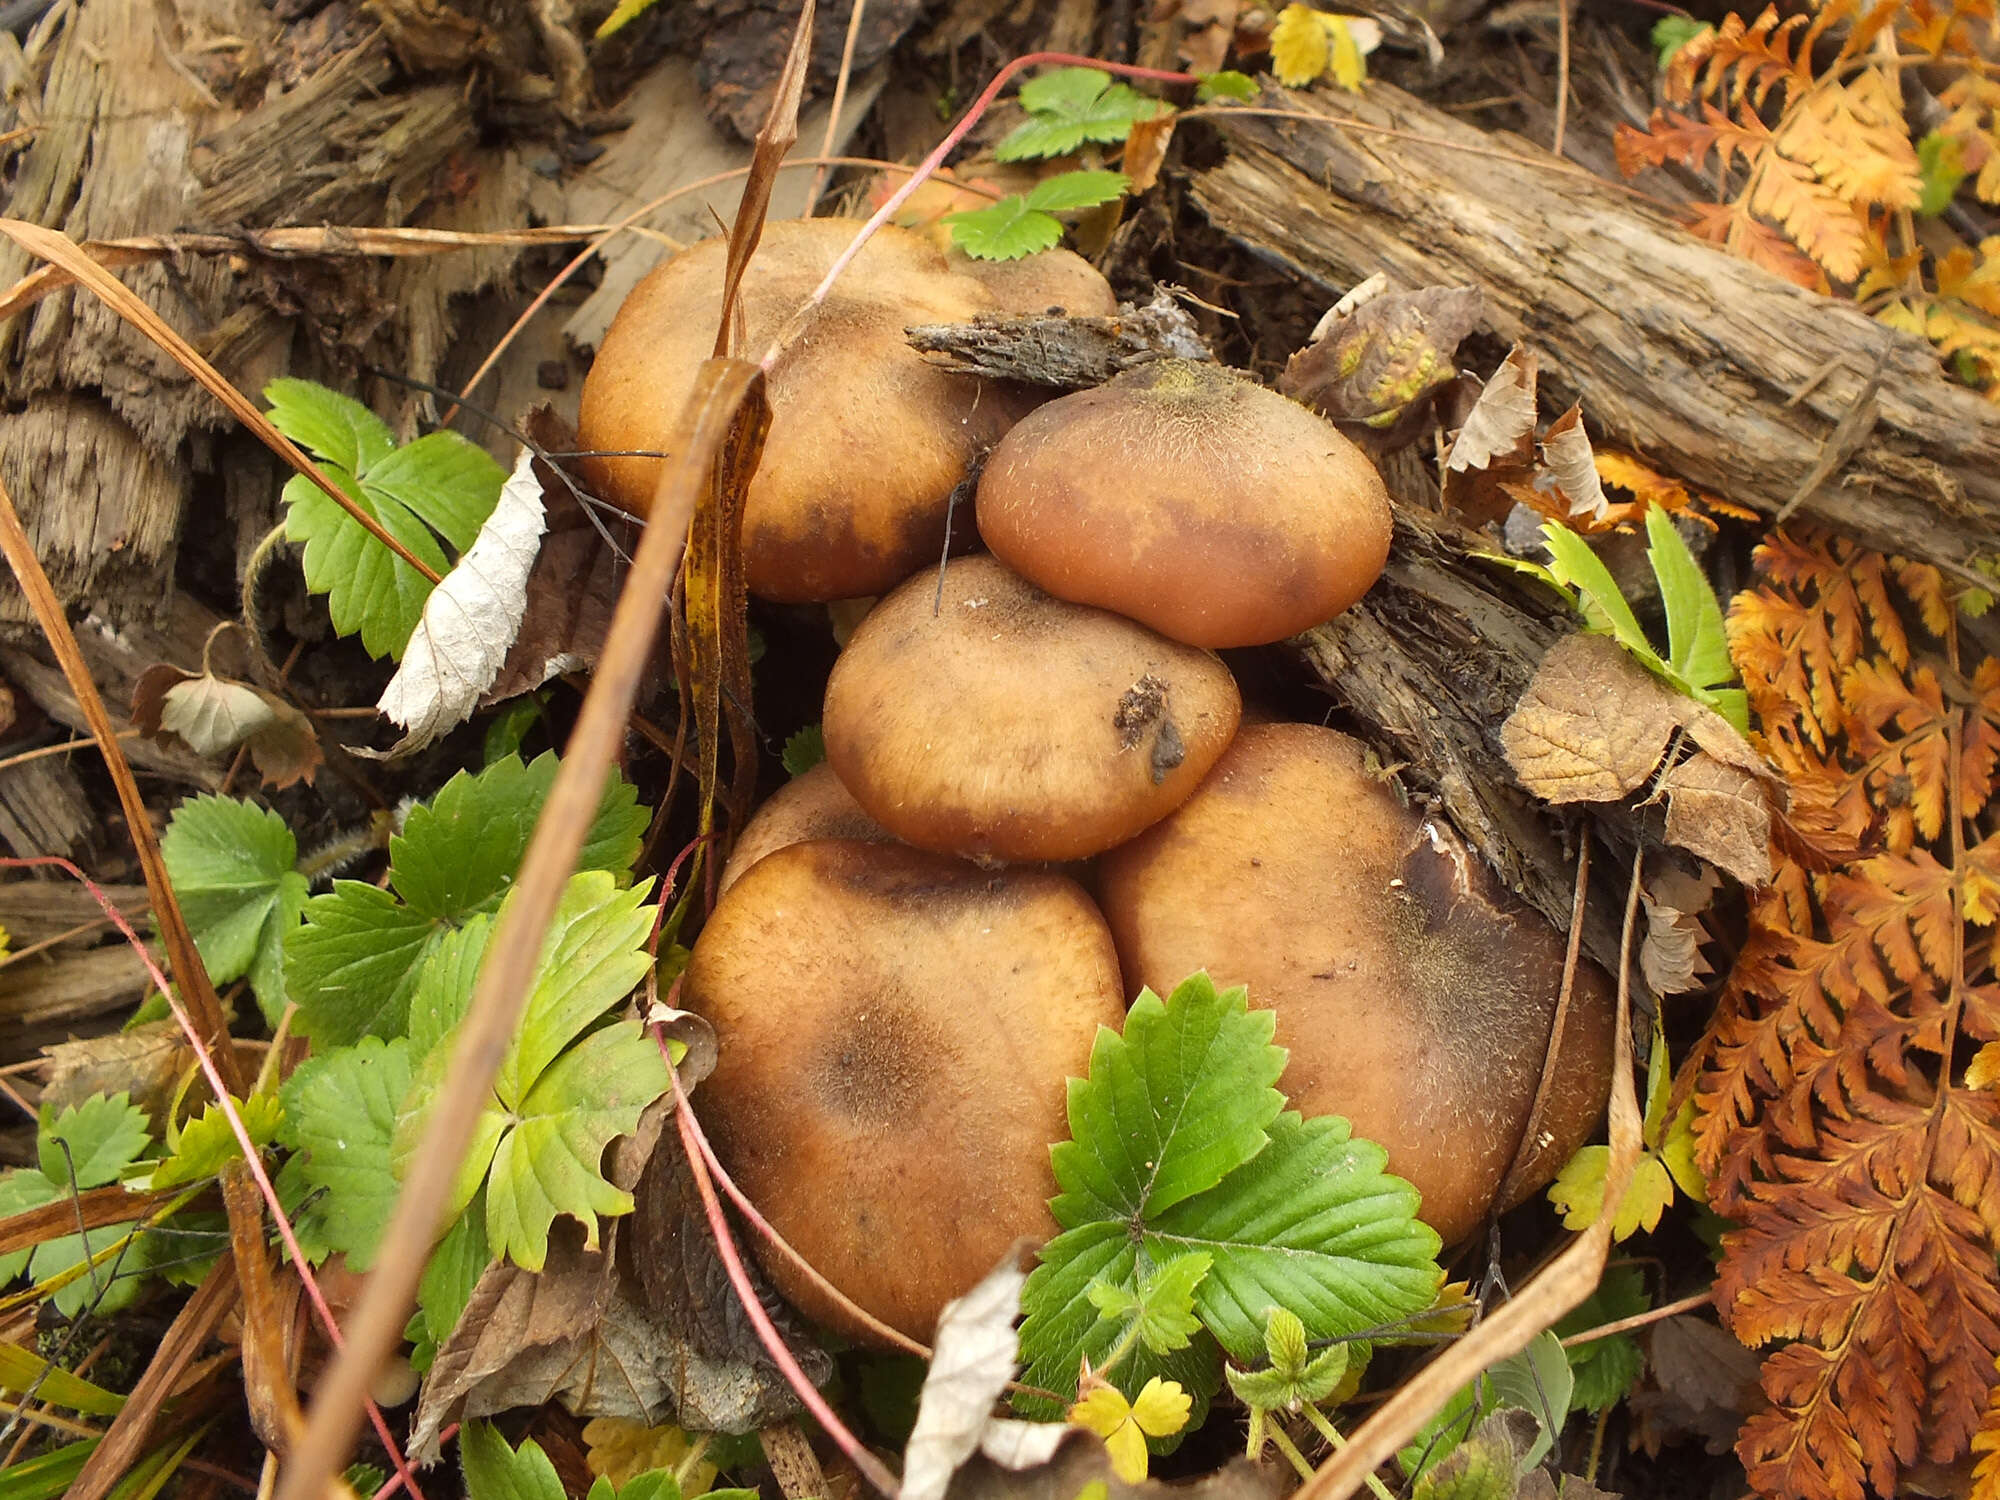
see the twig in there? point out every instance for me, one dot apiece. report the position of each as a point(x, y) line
point(1562, 76)
point(1640, 1320)
point(1524, 1149)
point(839, 102)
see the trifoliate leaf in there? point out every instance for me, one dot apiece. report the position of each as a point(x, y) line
point(1605, 1369)
point(232, 867)
point(1346, 62)
point(340, 1114)
point(494, 1471)
point(1677, 1153)
point(444, 986)
point(1228, 84)
point(354, 965)
point(439, 486)
point(1295, 1376)
point(1068, 191)
point(1162, 1304)
point(208, 1142)
point(1170, 1155)
point(804, 750)
point(1171, 1107)
point(90, 1144)
point(1578, 1192)
point(1070, 106)
point(553, 1111)
point(1314, 1224)
point(1300, 46)
point(1007, 230)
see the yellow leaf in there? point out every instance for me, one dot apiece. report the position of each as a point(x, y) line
point(1578, 1192)
point(622, 15)
point(1299, 46)
point(1350, 68)
point(1102, 1411)
point(1984, 1069)
point(619, 1449)
point(1162, 1408)
point(1677, 1151)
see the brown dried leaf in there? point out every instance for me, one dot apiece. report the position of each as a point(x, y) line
point(1721, 813)
point(1703, 1384)
point(212, 715)
point(1573, 467)
point(1671, 955)
point(146, 1063)
point(1592, 725)
point(1377, 362)
point(1146, 151)
point(1501, 426)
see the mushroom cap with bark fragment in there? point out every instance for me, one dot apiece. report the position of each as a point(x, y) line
point(867, 440)
point(1415, 995)
point(996, 722)
point(1191, 499)
point(896, 1030)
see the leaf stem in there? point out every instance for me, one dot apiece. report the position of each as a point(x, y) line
point(1335, 1441)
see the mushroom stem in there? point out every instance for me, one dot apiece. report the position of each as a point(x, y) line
point(928, 168)
point(865, 1463)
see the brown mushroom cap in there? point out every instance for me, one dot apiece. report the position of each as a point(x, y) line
point(895, 1030)
point(812, 806)
point(1415, 995)
point(1012, 726)
point(1191, 499)
point(867, 440)
point(1035, 284)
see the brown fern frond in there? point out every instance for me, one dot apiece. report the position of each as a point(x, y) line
point(1671, 136)
point(1745, 62)
point(1819, 220)
point(1861, 1166)
point(1853, 136)
point(1736, 228)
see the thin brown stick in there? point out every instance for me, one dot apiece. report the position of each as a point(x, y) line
point(1640, 1320)
point(189, 972)
point(121, 299)
point(708, 423)
point(44, 751)
point(1562, 77)
point(1565, 1282)
point(1524, 1149)
point(839, 103)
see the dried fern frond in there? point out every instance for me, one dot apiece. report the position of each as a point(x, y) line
point(1833, 1110)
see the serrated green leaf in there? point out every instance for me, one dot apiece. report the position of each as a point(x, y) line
point(1314, 1224)
point(1227, 84)
point(450, 1276)
point(1067, 191)
point(1486, 1466)
point(1171, 1107)
point(231, 865)
point(448, 481)
point(1296, 1377)
point(493, 1471)
point(1605, 1369)
point(539, 1144)
point(1697, 640)
point(804, 750)
point(458, 853)
point(336, 428)
point(341, 1109)
point(369, 590)
point(1578, 1192)
point(88, 1145)
point(444, 987)
point(1162, 1304)
point(1575, 565)
point(20, 1190)
point(1671, 33)
point(1070, 106)
point(353, 964)
point(1006, 230)
point(207, 1143)
point(550, 1161)
point(1941, 168)
point(108, 1287)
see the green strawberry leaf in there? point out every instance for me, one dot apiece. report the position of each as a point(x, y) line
point(232, 867)
point(208, 1143)
point(1228, 84)
point(1697, 641)
point(804, 750)
point(1068, 191)
point(1162, 1303)
point(449, 1278)
point(353, 965)
point(20, 1190)
point(340, 1112)
point(369, 590)
point(1606, 1369)
point(336, 428)
point(1007, 230)
point(89, 1144)
point(493, 1471)
point(1070, 106)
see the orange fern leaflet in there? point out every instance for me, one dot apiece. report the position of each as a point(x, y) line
point(1834, 1111)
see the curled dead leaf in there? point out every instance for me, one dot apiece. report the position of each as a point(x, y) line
point(1671, 957)
point(1573, 467)
point(1722, 813)
point(1382, 357)
point(212, 715)
point(1501, 426)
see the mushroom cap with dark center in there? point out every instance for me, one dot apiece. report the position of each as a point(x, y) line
point(1415, 995)
point(1003, 724)
point(895, 1032)
point(1191, 499)
point(867, 440)
point(812, 806)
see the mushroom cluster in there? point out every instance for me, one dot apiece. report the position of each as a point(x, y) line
point(904, 965)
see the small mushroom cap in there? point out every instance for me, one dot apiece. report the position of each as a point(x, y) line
point(1033, 285)
point(1003, 724)
point(812, 806)
point(1414, 994)
point(1191, 499)
point(867, 440)
point(895, 1032)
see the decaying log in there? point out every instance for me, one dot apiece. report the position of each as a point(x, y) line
point(1676, 349)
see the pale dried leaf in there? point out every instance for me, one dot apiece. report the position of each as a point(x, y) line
point(1671, 955)
point(1501, 424)
point(1566, 450)
point(1720, 813)
point(213, 715)
point(692, 1032)
point(1592, 725)
point(1378, 353)
point(470, 620)
point(972, 1359)
point(1021, 1445)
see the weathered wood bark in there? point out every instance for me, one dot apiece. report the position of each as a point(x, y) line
point(1684, 353)
point(1429, 665)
